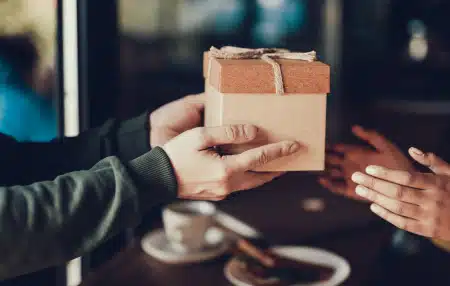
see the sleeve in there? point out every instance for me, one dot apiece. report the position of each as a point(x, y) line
point(50, 222)
point(27, 162)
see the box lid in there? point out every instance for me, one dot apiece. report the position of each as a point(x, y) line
point(256, 76)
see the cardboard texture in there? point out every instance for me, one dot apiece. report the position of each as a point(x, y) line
point(243, 92)
point(256, 76)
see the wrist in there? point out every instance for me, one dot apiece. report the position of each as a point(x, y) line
point(154, 174)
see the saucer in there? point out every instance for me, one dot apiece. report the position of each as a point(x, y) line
point(156, 245)
point(239, 277)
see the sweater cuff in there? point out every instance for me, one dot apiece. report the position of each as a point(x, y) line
point(133, 137)
point(154, 174)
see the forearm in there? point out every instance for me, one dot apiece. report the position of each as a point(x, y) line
point(51, 222)
point(30, 162)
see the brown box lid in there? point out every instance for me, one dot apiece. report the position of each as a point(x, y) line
point(256, 76)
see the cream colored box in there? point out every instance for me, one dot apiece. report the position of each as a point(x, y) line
point(294, 115)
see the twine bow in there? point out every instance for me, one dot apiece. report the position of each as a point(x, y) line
point(266, 54)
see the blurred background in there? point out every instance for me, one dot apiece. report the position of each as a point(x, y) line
point(390, 56)
point(390, 59)
point(162, 42)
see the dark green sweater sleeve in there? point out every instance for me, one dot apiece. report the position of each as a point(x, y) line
point(50, 222)
point(23, 163)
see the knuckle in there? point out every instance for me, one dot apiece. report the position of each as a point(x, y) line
point(371, 183)
point(432, 159)
point(399, 192)
point(372, 196)
point(262, 158)
point(232, 132)
point(399, 209)
point(408, 179)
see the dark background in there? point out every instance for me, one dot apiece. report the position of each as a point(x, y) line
point(370, 48)
point(375, 77)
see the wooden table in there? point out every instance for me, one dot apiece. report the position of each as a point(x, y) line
point(345, 227)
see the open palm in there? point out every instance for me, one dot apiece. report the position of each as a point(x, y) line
point(348, 159)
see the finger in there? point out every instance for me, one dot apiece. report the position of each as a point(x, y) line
point(340, 167)
point(340, 188)
point(336, 173)
point(389, 189)
point(430, 160)
point(407, 224)
point(334, 160)
point(345, 148)
point(252, 180)
point(257, 157)
point(196, 100)
point(373, 138)
point(333, 186)
point(207, 137)
point(397, 207)
point(410, 179)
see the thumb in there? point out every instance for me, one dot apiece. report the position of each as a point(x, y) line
point(260, 156)
point(373, 138)
point(208, 137)
point(430, 160)
point(197, 101)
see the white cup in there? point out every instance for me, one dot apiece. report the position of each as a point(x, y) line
point(186, 224)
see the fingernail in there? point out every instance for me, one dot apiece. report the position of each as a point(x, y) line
point(295, 146)
point(360, 190)
point(373, 170)
point(358, 178)
point(375, 208)
point(416, 151)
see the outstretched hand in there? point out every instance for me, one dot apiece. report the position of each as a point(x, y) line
point(345, 159)
point(413, 201)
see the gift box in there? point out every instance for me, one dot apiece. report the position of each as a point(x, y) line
point(281, 92)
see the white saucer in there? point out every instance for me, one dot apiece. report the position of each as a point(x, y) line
point(156, 244)
point(305, 254)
